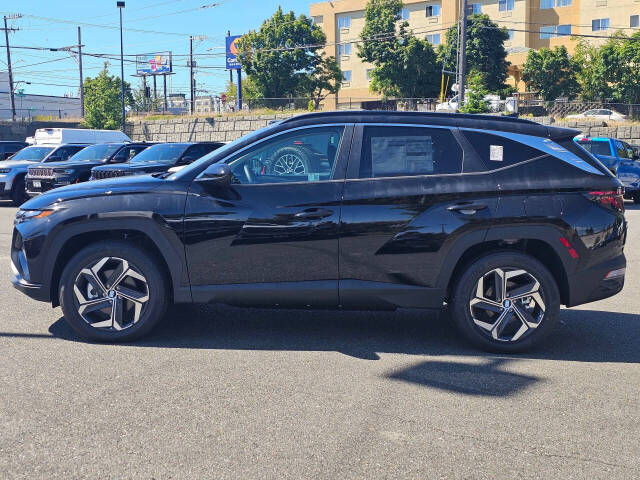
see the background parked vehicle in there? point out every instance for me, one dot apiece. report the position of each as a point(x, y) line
point(619, 157)
point(599, 114)
point(356, 210)
point(158, 158)
point(8, 148)
point(43, 177)
point(14, 170)
point(57, 136)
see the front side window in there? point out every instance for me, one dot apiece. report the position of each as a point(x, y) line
point(306, 155)
point(96, 152)
point(63, 154)
point(402, 151)
point(506, 5)
point(163, 153)
point(621, 150)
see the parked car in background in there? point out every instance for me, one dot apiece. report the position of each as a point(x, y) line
point(619, 157)
point(157, 158)
point(45, 176)
point(57, 136)
point(599, 114)
point(14, 170)
point(8, 148)
point(495, 104)
point(353, 210)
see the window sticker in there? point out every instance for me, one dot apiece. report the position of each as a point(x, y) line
point(496, 153)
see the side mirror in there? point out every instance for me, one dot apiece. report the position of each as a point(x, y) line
point(219, 173)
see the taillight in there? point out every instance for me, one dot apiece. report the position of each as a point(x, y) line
point(612, 199)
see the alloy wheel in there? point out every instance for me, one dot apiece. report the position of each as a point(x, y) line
point(111, 294)
point(289, 164)
point(508, 304)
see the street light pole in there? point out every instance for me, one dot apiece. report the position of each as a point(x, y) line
point(120, 6)
point(81, 79)
point(13, 100)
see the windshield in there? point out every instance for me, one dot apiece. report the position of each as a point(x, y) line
point(164, 153)
point(95, 152)
point(34, 154)
point(597, 148)
point(220, 153)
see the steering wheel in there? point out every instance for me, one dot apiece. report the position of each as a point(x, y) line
point(248, 174)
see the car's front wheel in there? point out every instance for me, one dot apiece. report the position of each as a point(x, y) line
point(505, 302)
point(112, 291)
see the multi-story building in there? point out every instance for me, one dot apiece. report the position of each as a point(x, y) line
point(532, 24)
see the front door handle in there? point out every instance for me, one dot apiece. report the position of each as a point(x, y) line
point(313, 214)
point(467, 208)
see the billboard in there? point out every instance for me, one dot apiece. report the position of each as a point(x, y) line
point(232, 52)
point(154, 63)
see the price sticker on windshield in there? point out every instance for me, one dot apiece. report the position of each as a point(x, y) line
point(496, 153)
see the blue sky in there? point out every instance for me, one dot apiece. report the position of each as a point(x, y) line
point(172, 21)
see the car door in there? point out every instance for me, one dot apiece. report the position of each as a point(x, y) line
point(406, 205)
point(271, 237)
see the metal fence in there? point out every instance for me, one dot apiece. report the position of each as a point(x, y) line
point(29, 115)
point(563, 108)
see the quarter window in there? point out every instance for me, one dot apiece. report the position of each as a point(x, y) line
point(497, 151)
point(402, 151)
point(306, 155)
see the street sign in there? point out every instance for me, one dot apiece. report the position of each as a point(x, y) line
point(232, 52)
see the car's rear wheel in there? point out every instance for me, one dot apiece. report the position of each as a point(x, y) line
point(112, 291)
point(505, 302)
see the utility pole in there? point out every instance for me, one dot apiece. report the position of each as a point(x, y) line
point(191, 79)
point(230, 71)
point(463, 53)
point(120, 6)
point(81, 79)
point(11, 93)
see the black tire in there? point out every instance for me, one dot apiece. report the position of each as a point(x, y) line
point(140, 261)
point(297, 151)
point(18, 194)
point(464, 291)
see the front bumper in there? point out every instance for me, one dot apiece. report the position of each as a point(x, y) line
point(591, 284)
point(35, 186)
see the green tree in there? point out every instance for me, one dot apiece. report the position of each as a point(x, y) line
point(591, 72)
point(620, 58)
point(485, 51)
point(404, 65)
point(102, 102)
point(142, 103)
point(273, 62)
point(326, 80)
point(551, 72)
point(474, 101)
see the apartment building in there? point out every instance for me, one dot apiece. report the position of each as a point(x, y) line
point(532, 24)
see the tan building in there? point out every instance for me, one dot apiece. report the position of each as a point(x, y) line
point(532, 24)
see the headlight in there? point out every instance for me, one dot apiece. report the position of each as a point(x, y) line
point(24, 215)
point(63, 171)
point(5, 170)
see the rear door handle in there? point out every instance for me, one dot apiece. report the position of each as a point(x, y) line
point(313, 214)
point(467, 208)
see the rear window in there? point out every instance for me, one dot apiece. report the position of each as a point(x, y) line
point(597, 147)
point(497, 152)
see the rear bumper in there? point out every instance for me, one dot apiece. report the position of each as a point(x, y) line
point(590, 285)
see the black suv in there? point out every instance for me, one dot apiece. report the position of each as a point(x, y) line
point(43, 177)
point(8, 148)
point(503, 220)
point(158, 158)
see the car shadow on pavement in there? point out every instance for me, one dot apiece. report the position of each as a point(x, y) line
point(581, 335)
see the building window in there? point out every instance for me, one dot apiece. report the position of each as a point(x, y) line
point(434, 39)
point(433, 10)
point(404, 14)
point(511, 34)
point(506, 5)
point(317, 19)
point(347, 75)
point(344, 22)
point(599, 24)
point(476, 8)
point(547, 32)
point(563, 3)
point(563, 30)
point(547, 4)
point(634, 21)
point(344, 49)
point(369, 70)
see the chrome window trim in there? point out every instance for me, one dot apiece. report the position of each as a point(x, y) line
point(344, 125)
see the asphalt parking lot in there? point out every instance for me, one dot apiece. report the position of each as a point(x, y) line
point(220, 392)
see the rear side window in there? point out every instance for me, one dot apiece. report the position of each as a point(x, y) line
point(406, 151)
point(497, 151)
point(597, 147)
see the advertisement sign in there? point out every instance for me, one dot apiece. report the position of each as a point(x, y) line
point(154, 63)
point(232, 52)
